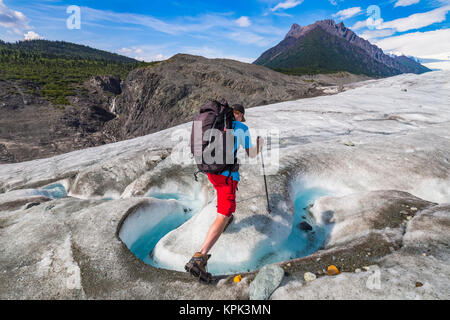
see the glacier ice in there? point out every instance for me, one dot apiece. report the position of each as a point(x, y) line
point(399, 151)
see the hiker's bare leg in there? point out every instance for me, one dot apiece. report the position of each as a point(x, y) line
point(214, 232)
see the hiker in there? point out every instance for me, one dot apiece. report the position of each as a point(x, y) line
point(225, 184)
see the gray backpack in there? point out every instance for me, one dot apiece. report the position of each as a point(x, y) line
point(211, 145)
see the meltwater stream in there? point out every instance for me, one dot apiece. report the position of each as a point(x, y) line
point(183, 208)
point(141, 235)
point(306, 236)
point(52, 191)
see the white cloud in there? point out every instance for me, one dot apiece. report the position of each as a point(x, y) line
point(158, 57)
point(213, 53)
point(374, 23)
point(335, 2)
point(375, 34)
point(414, 21)
point(287, 4)
point(430, 44)
point(146, 52)
point(439, 61)
point(125, 51)
point(405, 3)
point(359, 25)
point(347, 13)
point(243, 22)
point(417, 20)
point(31, 35)
point(208, 26)
point(12, 19)
point(197, 24)
point(249, 38)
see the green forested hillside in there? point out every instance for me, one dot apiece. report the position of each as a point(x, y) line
point(52, 49)
point(53, 69)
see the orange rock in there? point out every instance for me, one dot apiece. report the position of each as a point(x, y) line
point(237, 279)
point(332, 270)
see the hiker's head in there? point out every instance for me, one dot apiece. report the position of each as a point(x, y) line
point(239, 112)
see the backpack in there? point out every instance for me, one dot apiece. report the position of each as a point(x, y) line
point(212, 141)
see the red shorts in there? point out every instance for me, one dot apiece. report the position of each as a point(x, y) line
point(226, 193)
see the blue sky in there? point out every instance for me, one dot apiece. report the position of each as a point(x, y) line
point(241, 30)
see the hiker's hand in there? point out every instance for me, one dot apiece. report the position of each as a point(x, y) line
point(259, 142)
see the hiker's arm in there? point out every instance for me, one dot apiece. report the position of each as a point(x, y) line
point(254, 151)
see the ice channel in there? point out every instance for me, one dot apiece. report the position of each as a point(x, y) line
point(142, 232)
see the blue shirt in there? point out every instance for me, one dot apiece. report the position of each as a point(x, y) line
point(242, 138)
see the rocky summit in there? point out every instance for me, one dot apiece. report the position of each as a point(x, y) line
point(374, 160)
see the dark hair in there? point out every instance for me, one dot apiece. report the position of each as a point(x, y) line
point(239, 107)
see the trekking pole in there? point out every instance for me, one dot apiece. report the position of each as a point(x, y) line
point(265, 181)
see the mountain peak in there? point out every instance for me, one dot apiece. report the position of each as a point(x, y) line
point(298, 31)
point(295, 27)
point(326, 46)
point(338, 29)
point(326, 21)
point(294, 31)
point(328, 25)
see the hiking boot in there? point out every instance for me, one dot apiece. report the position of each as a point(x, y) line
point(229, 222)
point(197, 267)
